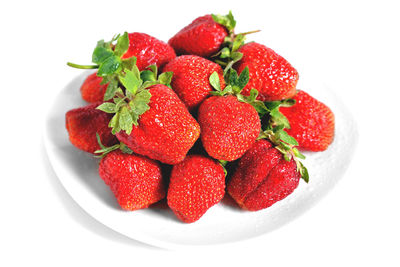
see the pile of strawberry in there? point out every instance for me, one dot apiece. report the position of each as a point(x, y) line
point(221, 104)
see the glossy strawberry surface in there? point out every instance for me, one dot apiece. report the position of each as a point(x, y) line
point(202, 37)
point(190, 80)
point(148, 50)
point(270, 73)
point(312, 123)
point(136, 181)
point(91, 90)
point(229, 127)
point(82, 125)
point(166, 131)
point(196, 184)
point(262, 177)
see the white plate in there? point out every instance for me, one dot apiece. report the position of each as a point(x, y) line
point(78, 172)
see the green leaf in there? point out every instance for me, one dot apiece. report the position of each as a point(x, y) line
point(227, 90)
point(272, 104)
point(228, 21)
point(279, 118)
point(136, 71)
point(297, 153)
point(236, 56)
point(109, 66)
point(287, 103)
point(154, 69)
point(304, 173)
point(225, 52)
point(233, 78)
point(139, 104)
point(148, 75)
point(122, 45)
point(100, 54)
point(147, 84)
point(114, 124)
point(241, 98)
point(128, 63)
point(125, 120)
point(253, 96)
point(130, 81)
point(239, 41)
point(285, 137)
point(260, 107)
point(214, 81)
point(243, 78)
point(165, 78)
point(111, 89)
point(107, 107)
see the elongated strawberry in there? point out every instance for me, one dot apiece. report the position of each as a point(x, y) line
point(272, 75)
point(191, 78)
point(196, 184)
point(230, 125)
point(82, 125)
point(136, 181)
point(166, 131)
point(262, 177)
point(312, 123)
point(148, 50)
point(92, 90)
point(204, 36)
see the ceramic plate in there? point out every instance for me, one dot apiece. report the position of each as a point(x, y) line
point(78, 172)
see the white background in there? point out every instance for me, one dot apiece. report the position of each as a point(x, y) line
point(351, 45)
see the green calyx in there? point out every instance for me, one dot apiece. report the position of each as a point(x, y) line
point(126, 94)
point(229, 55)
point(130, 96)
point(103, 151)
point(228, 21)
point(235, 84)
point(274, 131)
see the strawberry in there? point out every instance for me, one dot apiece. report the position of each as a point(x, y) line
point(312, 123)
point(229, 126)
point(270, 74)
point(262, 177)
point(92, 90)
point(136, 181)
point(148, 50)
point(204, 36)
point(148, 116)
point(190, 79)
point(82, 125)
point(166, 131)
point(196, 184)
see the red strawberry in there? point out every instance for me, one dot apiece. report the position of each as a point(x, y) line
point(190, 80)
point(196, 184)
point(135, 180)
point(91, 90)
point(229, 127)
point(202, 37)
point(82, 125)
point(312, 123)
point(262, 177)
point(270, 74)
point(166, 131)
point(148, 50)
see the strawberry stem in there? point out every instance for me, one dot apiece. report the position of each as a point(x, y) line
point(77, 66)
point(249, 32)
